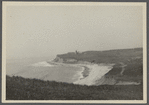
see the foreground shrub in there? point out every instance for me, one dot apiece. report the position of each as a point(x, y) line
point(18, 88)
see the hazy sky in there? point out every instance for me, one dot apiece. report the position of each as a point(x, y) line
point(36, 31)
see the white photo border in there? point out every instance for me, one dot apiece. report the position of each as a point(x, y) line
point(5, 4)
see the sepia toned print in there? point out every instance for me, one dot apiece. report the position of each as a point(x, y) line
point(74, 52)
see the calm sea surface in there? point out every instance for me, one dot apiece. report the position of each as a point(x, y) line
point(38, 68)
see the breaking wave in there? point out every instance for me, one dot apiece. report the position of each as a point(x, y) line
point(42, 64)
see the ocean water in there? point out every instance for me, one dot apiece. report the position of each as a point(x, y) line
point(39, 68)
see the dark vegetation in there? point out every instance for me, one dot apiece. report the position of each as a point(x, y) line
point(18, 88)
point(133, 71)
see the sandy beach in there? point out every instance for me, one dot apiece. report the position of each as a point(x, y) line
point(96, 72)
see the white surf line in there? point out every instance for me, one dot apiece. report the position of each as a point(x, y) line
point(42, 64)
point(97, 71)
point(79, 74)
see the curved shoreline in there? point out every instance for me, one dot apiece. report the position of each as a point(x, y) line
point(96, 72)
point(90, 72)
point(86, 71)
point(82, 73)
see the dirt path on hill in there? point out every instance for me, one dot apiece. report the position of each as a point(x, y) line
point(123, 67)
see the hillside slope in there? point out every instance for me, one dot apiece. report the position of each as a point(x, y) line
point(18, 88)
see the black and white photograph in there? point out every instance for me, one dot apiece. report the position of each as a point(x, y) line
point(74, 52)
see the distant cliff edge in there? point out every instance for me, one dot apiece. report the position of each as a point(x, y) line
point(109, 56)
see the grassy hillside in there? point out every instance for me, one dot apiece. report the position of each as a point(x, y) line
point(18, 88)
point(133, 71)
point(110, 56)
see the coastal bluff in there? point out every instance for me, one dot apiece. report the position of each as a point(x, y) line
point(108, 56)
point(127, 68)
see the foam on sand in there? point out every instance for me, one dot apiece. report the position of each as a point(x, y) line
point(79, 75)
point(97, 71)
